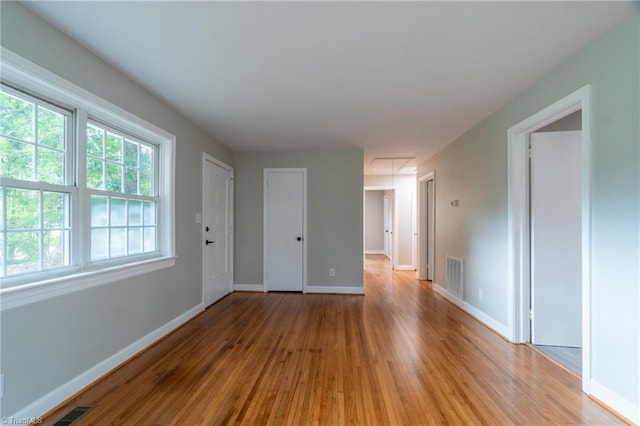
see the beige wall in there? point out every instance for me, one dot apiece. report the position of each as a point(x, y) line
point(473, 169)
point(334, 212)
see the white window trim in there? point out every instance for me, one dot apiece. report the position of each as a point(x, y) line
point(24, 73)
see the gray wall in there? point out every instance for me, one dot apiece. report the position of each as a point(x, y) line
point(334, 213)
point(46, 344)
point(473, 169)
point(373, 221)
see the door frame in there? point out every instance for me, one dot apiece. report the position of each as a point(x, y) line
point(394, 236)
point(304, 223)
point(518, 217)
point(423, 225)
point(208, 158)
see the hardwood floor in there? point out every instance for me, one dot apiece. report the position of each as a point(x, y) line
point(399, 355)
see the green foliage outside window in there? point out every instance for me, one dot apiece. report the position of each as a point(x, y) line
point(32, 148)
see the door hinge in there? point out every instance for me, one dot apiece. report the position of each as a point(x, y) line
point(531, 315)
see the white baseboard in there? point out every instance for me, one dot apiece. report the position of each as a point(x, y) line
point(249, 287)
point(334, 289)
point(617, 403)
point(404, 268)
point(472, 310)
point(374, 252)
point(75, 385)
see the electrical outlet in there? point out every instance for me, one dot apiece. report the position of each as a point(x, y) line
point(481, 294)
point(332, 272)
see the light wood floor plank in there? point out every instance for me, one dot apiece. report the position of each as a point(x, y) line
point(401, 355)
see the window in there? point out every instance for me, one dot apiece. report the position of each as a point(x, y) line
point(86, 188)
point(121, 183)
point(35, 194)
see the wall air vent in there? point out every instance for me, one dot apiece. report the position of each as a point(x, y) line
point(455, 277)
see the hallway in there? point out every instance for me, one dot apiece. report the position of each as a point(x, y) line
point(398, 355)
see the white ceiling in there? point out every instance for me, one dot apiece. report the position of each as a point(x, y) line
point(399, 79)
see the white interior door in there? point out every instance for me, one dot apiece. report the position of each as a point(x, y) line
point(284, 229)
point(216, 232)
point(556, 238)
point(388, 222)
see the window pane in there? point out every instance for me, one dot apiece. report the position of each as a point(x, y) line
point(118, 212)
point(94, 174)
point(114, 177)
point(50, 128)
point(16, 159)
point(131, 181)
point(149, 239)
point(23, 252)
point(54, 245)
point(146, 158)
point(95, 141)
point(149, 213)
point(53, 210)
point(135, 213)
point(16, 117)
point(135, 240)
point(114, 147)
point(50, 166)
point(23, 209)
point(99, 215)
point(118, 242)
point(130, 154)
point(145, 183)
point(99, 244)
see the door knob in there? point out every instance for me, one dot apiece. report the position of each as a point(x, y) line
point(299, 238)
point(207, 242)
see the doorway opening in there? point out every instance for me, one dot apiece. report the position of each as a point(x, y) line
point(530, 267)
point(555, 170)
point(427, 226)
point(379, 222)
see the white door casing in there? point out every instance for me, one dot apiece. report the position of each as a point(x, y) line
point(217, 230)
point(426, 224)
point(556, 240)
point(518, 238)
point(285, 229)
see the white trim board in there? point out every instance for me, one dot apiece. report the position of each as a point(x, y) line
point(405, 268)
point(499, 328)
point(14, 297)
point(620, 405)
point(249, 287)
point(333, 289)
point(374, 252)
point(62, 393)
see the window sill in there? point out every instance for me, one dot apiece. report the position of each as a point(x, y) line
point(16, 297)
